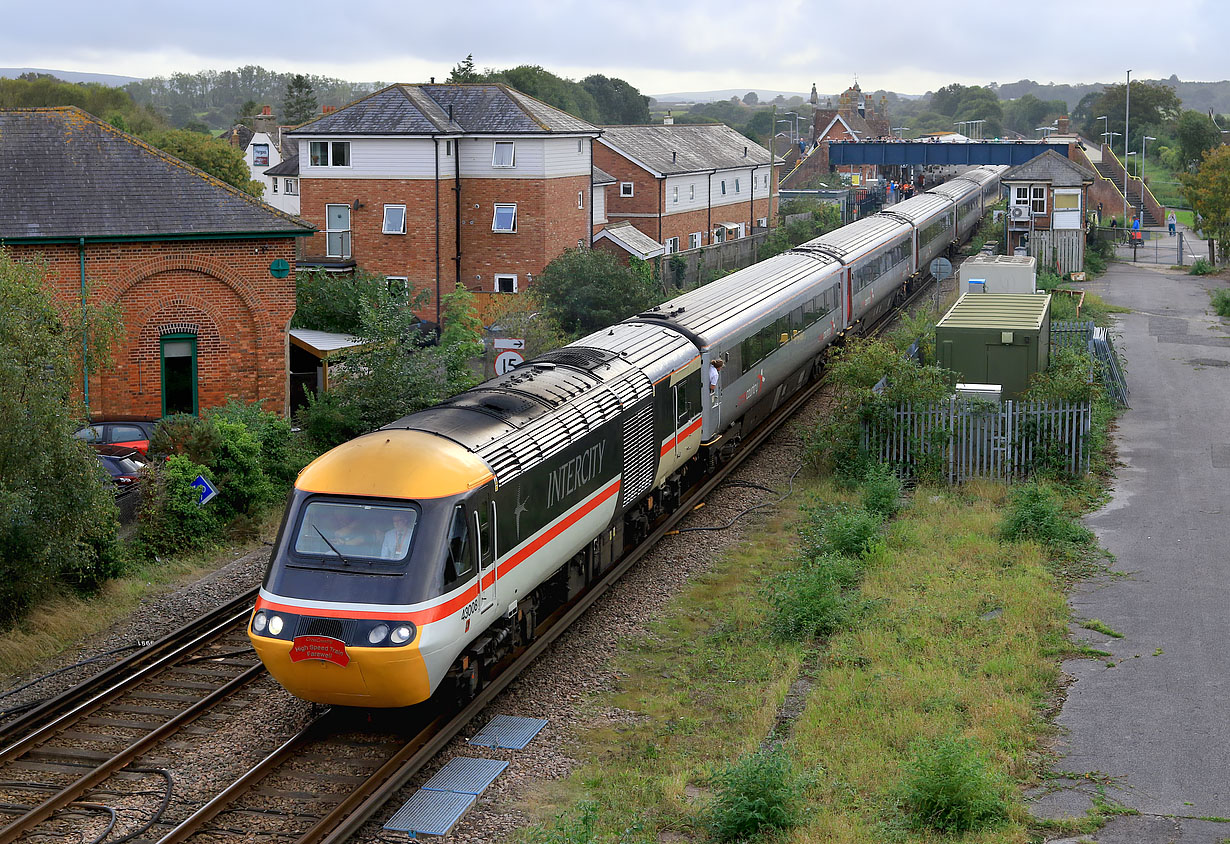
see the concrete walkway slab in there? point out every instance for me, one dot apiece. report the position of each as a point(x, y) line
point(1155, 716)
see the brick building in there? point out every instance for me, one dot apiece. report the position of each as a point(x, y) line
point(433, 185)
point(855, 119)
point(203, 274)
point(1047, 200)
point(687, 186)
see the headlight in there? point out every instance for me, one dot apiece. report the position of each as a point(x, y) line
point(275, 625)
point(376, 636)
point(258, 622)
point(402, 634)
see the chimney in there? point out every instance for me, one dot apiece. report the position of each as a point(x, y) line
point(668, 120)
point(327, 109)
point(234, 139)
point(1063, 125)
point(264, 121)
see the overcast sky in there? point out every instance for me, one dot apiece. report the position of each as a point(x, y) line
point(907, 46)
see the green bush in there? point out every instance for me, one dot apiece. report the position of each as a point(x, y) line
point(1095, 263)
point(881, 491)
point(1221, 301)
point(327, 421)
point(1036, 512)
point(243, 487)
point(271, 431)
point(171, 519)
point(759, 793)
point(329, 301)
point(950, 786)
point(1201, 266)
point(187, 435)
point(813, 599)
point(853, 532)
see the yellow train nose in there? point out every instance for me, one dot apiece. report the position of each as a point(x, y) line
point(370, 677)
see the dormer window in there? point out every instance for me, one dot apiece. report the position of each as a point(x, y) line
point(503, 155)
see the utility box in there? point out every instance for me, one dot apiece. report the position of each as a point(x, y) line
point(1000, 274)
point(1002, 339)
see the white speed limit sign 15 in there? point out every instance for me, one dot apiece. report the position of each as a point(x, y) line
point(506, 360)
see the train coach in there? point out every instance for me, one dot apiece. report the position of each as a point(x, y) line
point(418, 556)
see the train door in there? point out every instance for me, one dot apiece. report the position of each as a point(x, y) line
point(484, 550)
point(687, 408)
point(848, 291)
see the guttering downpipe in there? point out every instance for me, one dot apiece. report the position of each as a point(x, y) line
point(85, 333)
point(457, 203)
point(435, 146)
point(709, 209)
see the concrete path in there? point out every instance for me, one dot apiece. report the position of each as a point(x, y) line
point(1149, 727)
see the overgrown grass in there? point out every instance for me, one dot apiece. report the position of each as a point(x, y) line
point(956, 640)
point(1221, 301)
point(759, 793)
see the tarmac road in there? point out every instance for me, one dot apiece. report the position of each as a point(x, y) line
point(1154, 729)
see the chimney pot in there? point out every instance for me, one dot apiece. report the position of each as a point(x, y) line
point(266, 110)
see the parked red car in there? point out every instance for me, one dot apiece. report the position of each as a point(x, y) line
point(129, 433)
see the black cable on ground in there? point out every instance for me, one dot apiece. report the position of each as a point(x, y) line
point(48, 676)
point(157, 816)
point(789, 491)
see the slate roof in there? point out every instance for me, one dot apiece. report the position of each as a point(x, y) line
point(66, 174)
point(864, 128)
point(1051, 167)
point(601, 177)
point(238, 135)
point(685, 148)
point(287, 167)
point(486, 108)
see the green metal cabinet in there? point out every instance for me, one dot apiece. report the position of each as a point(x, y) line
point(996, 338)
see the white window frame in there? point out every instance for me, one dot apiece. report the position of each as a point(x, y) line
point(719, 234)
point(1037, 199)
point(675, 194)
point(1020, 195)
point(290, 187)
point(385, 226)
point(626, 189)
point(580, 199)
point(495, 214)
point(766, 181)
point(507, 277)
point(694, 240)
point(330, 151)
point(275, 183)
point(581, 145)
point(496, 158)
point(398, 285)
point(736, 185)
point(448, 148)
point(344, 249)
point(723, 187)
point(672, 245)
point(762, 222)
point(691, 191)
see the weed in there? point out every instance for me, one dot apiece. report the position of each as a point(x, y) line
point(812, 599)
point(950, 786)
point(1036, 513)
point(567, 830)
point(852, 533)
point(1221, 301)
point(760, 792)
point(881, 491)
point(1158, 652)
point(1201, 266)
point(1099, 626)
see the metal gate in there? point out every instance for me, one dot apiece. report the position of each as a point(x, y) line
point(1147, 246)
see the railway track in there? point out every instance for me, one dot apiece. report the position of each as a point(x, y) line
point(320, 785)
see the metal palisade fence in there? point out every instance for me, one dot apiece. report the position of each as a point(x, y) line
point(959, 439)
point(1101, 346)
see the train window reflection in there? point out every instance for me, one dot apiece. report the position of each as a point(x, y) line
point(350, 532)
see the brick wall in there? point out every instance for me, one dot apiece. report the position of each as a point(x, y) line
point(645, 199)
point(220, 290)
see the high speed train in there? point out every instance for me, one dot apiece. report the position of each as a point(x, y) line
point(417, 556)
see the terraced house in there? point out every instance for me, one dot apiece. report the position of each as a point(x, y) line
point(203, 274)
point(435, 185)
point(687, 186)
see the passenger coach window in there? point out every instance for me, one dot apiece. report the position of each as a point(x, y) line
point(459, 562)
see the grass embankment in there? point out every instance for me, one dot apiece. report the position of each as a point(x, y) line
point(927, 700)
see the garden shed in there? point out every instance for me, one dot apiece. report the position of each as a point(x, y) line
point(996, 339)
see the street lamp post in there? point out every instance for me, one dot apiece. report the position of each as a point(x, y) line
point(1127, 113)
point(899, 130)
point(1142, 171)
point(1105, 126)
point(796, 123)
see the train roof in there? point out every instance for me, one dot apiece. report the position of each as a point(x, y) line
point(854, 240)
point(710, 313)
point(920, 207)
point(523, 417)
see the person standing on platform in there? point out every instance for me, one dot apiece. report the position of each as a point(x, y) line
point(1171, 221)
point(1136, 230)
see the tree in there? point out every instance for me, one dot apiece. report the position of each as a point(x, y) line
point(1196, 134)
point(1153, 105)
point(245, 113)
point(58, 519)
point(751, 98)
point(217, 158)
point(1208, 192)
point(523, 316)
point(299, 102)
point(618, 102)
point(587, 289)
point(464, 70)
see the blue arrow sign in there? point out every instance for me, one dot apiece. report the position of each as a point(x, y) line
point(207, 489)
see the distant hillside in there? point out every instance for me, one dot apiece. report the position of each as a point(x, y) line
point(1200, 96)
point(713, 96)
point(71, 76)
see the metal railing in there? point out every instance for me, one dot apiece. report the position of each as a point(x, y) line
point(960, 439)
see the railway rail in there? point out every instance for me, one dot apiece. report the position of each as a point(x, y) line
point(320, 785)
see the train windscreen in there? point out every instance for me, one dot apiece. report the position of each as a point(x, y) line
point(336, 531)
